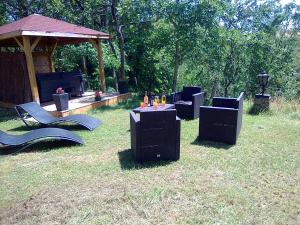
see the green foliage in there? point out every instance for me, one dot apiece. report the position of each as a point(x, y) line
point(3, 14)
point(219, 45)
point(223, 46)
point(71, 58)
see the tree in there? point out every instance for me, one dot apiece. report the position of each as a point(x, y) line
point(165, 44)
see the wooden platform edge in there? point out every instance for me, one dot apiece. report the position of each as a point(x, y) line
point(81, 110)
point(7, 105)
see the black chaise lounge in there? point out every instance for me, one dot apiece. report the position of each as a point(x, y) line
point(31, 137)
point(223, 121)
point(43, 117)
point(155, 136)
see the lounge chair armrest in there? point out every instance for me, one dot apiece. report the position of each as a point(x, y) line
point(219, 109)
point(134, 124)
point(178, 128)
point(241, 96)
point(178, 125)
point(135, 134)
point(198, 100)
point(134, 117)
point(134, 128)
point(176, 96)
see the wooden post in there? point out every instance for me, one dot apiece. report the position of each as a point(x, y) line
point(97, 45)
point(50, 55)
point(30, 68)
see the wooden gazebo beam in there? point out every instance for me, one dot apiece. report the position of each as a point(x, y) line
point(34, 44)
point(97, 44)
point(27, 48)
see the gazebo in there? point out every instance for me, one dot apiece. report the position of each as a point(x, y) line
point(37, 37)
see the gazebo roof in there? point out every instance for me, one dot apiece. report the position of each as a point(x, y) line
point(51, 30)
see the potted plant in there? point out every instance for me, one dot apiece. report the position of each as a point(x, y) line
point(61, 99)
point(97, 96)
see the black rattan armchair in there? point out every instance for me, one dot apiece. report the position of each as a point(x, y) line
point(223, 121)
point(155, 136)
point(187, 102)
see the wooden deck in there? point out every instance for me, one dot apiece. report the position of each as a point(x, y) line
point(80, 105)
point(85, 103)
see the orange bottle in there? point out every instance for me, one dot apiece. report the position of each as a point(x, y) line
point(146, 100)
point(163, 100)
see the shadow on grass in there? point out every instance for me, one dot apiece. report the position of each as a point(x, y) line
point(72, 127)
point(24, 128)
point(254, 111)
point(127, 161)
point(7, 114)
point(212, 144)
point(44, 146)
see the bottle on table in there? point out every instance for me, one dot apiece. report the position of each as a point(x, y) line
point(163, 100)
point(157, 99)
point(146, 100)
point(151, 101)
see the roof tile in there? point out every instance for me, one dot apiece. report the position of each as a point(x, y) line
point(41, 23)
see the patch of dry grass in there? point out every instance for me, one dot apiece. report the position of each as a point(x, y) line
point(253, 182)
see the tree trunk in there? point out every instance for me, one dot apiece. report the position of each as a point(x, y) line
point(23, 9)
point(176, 66)
point(177, 50)
point(215, 88)
point(115, 77)
point(84, 69)
point(122, 53)
point(226, 91)
point(120, 36)
point(113, 69)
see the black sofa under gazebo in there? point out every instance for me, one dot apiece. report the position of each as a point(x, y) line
point(71, 82)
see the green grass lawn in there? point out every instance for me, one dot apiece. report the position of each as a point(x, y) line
point(254, 182)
